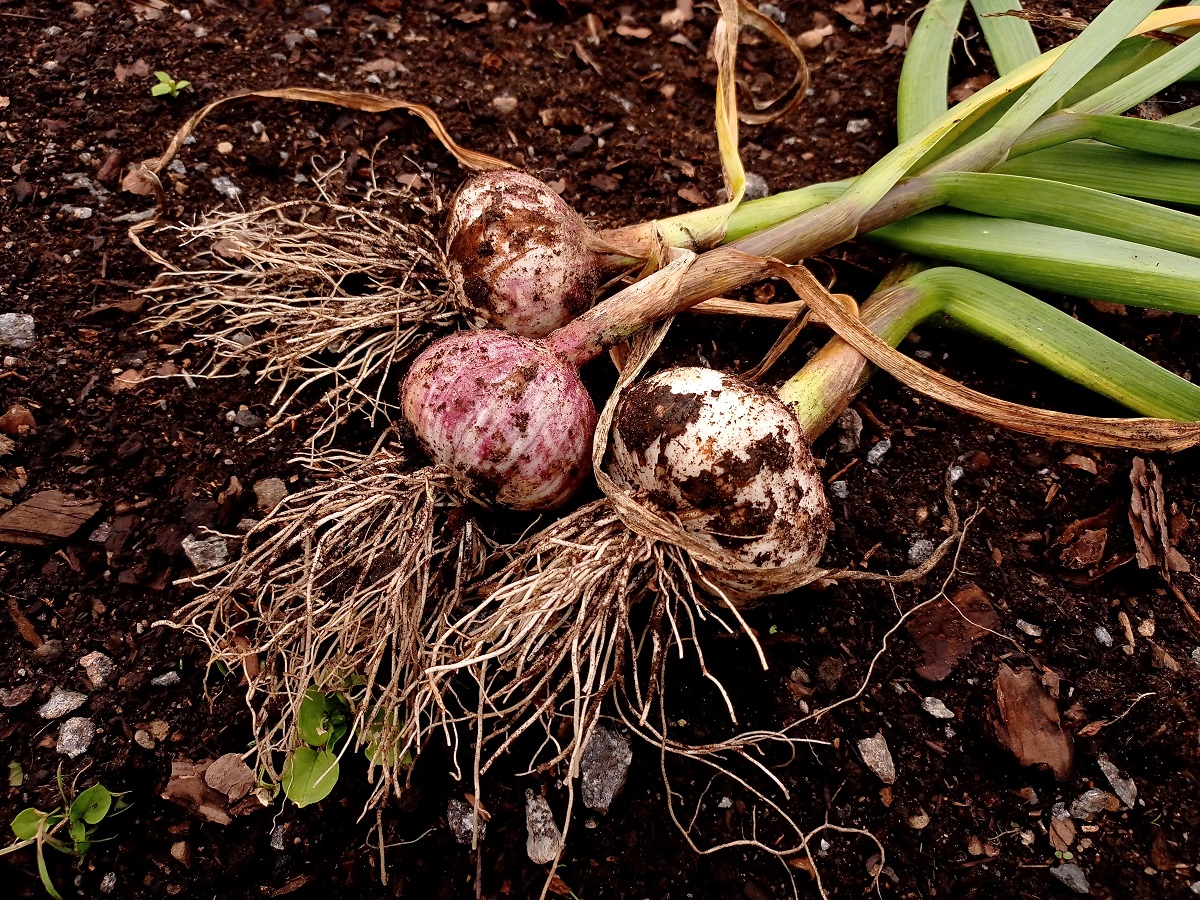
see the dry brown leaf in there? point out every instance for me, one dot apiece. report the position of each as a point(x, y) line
point(18, 420)
point(140, 69)
point(128, 379)
point(814, 37)
point(945, 631)
point(682, 13)
point(1083, 463)
point(1026, 721)
point(230, 775)
point(966, 88)
point(1062, 834)
point(1085, 551)
point(693, 194)
point(187, 787)
point(81, 10)
point(148, 10)
point(899, 36)
point(853, 11)
point(384, 64)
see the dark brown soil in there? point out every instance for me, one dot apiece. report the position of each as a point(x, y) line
point(162, 459)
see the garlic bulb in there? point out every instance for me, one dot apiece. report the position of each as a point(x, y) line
point(506, 413)
point(728, 460)
point(518, 255)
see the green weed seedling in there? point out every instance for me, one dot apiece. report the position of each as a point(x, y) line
point(78, 816)
point(168, 85)
point(311, 769)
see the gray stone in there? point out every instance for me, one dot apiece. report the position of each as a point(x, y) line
point(850, 427)
point(460, 815)
point(1122, 787)
point(1091, 803)
point(77, 212)
point(206, 553)
point(1104, 636)
point(269, 493)
point(839, 489)
point(937, 708)
point(143, 739)
point(858, 126)
point(246, 419)
point(920, 551)
point(226, 188)
point(99, 668)
point(60, 703)
point(277, 837)
point(75, 736)
point(544, 838)
point(166, 679)
point(878, 757)
point(1072, 876)
point(876, 453)
point(604, 768)
point(756, 187)
point(10, 697)
point(108, 883)
point(17, 330)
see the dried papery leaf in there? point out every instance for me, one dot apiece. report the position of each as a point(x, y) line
point(143, 178)
point(1132, 433)
point(793, 96)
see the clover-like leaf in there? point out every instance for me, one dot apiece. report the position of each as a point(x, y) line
point(309, 775)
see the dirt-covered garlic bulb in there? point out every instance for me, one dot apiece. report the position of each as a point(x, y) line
point(506, 413)
point(518, 255)
point(728, 460)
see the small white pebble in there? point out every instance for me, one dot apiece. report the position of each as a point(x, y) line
point(1104, 636)
point(841, 490)
point(858, 126)
point(876, 453)
point(936, 708)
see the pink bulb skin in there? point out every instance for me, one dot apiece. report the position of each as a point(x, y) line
point(518, 255)
point(511, 417)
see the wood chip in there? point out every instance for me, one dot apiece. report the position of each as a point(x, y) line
point(639, 34)
point(187, 787)
point(853, 11)
point(1148, 518)
point(1026, 721)
point(945, 631)
point(44, 518)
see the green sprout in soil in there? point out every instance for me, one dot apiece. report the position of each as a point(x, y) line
point(80, 814)
point(168, 85)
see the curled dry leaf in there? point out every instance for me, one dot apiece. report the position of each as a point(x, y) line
point(230, 775)
point(946, 630)
point(1026, 721)
point(188, 788)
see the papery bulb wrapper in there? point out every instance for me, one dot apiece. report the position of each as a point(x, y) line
point(728, 459)
point(518, 255)
point(507, 414)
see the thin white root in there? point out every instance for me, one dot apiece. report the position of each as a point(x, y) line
point(340, 588)
point(322, 298)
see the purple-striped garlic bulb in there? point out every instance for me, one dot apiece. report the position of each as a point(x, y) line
point(728, 460)
point(506, 413)
point(518, 255)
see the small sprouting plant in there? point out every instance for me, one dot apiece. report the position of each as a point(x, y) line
point(168, 85)
point(79, 815)
point(1064, 855)
point(311, 769)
